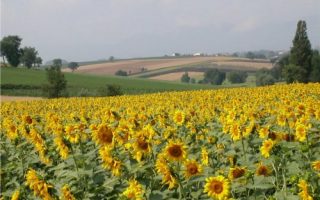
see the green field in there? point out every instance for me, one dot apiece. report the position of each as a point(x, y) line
point(89, 84)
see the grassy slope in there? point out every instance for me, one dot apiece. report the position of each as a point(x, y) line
point(77, 82)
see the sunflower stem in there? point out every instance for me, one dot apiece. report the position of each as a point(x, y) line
point(243, 149)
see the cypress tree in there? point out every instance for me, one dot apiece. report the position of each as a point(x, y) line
point(301, 52)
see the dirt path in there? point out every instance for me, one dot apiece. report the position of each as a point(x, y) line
point(15, 98)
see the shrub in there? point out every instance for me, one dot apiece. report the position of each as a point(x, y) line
point(264, 79)
point(185, 78)
point(57, 83)
point(237, 77)
point(110, 90)
point(121, 73)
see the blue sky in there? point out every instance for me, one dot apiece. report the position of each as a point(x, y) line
point(79, 30)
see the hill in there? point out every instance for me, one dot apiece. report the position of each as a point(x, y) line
point(156, 68)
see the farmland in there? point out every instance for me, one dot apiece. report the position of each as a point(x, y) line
point(146, 68)
point(243, 143)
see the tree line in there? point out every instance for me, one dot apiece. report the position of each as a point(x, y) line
point(14, 54)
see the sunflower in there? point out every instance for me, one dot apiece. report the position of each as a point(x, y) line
point(236, 172)
point(217, 187)
point(134, 190)
point(263, 132)
point(316, 165)
point(301, 132)
point(15, 195)
point(263, 170)
point(66, 193)
point(235, 132)
point(40, 188)
point(204, 156)
point(175, 151)
point(192, 168)
point(266, 148)
point(179, 117)
point(304, 194)
point(103, 135)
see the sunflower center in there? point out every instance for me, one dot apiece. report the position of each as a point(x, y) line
point(142, 144)
point(217, 187)
point(238, 173)
point(175, 151)
point(179, 118)
point(263, 171)
point(106, 136)
point(192, 169)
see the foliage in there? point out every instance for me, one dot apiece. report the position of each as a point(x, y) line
point(300, 56)
point(244, 143)
point(237, 77)
point(57, 62)
point(73, 66)
point(121, 73)
point(250, 55)
point(57, 83)
point(111, 58)
point(10, 48)
point(293, 73)
point(214, 76)
point(38, 61)
point(264, 79)
point(29, 56)
point(315, 73)
point(185, 78)
point(110, 90)
point(18, 86)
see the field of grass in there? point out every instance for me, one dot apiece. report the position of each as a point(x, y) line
point(78, 83)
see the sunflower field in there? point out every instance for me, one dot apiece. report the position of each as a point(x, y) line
point(243, 143)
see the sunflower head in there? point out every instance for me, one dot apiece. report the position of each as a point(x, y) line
point(217, 187)
point(266, 148)
point(192, 168)
point(236, 172)
point(103, 135)
point(263, 170)
point(179, 117)
point(316, 165)
point(175, 151)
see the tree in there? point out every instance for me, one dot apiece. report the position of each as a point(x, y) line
point(38, 61)
point(73, 66)
point(57, 83)
point(57, 62)
point(29, 56)
point(111, 58)
point(293, 73)
point(300, 55)
point(315, 73)
point(214, 76)
point(185, 78)
point(250, 55)
point(237, 77)
point(121, 73)
point(10, 49)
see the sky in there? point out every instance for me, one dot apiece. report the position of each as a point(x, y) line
point(82, 30)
